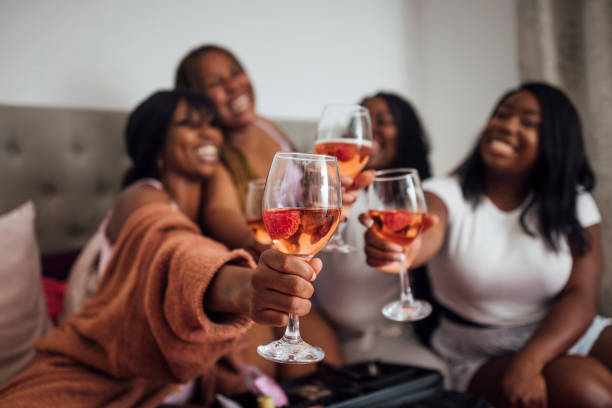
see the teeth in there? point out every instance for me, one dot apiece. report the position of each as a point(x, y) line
point(207, 152)
point(502, 147)
point(240, 104)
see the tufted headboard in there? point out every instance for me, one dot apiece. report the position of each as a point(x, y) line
point(70, 163)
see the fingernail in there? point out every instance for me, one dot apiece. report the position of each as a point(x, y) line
point(313, 277)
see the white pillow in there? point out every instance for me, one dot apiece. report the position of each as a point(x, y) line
point(23, 311)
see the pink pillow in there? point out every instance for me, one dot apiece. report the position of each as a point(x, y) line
point(23, 316)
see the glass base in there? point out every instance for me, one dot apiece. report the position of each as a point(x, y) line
point(402, 312)
point(299, 352)
point(338, 247)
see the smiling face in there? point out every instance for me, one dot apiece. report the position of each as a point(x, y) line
point(510, 141)
point(192, 145)
point(384, 132)
point(226, 84)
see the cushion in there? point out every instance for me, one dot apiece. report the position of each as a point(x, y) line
point(23, 315)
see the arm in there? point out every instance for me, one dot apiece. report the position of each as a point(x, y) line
point(191, 294)
point(130, 200)
point(566, 321)
point(280, 284)
point(435, 229)
point(222, 214)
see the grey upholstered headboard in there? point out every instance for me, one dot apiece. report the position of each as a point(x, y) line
point(70, 163)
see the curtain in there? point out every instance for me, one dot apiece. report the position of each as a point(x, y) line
point(569, 43)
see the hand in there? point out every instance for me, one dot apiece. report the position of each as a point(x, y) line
point(388, 256)
point(350, 190)
point(523, 385)
point(281, 285)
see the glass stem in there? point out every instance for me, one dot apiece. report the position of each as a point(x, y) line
point(292, 331)
point(406, 295)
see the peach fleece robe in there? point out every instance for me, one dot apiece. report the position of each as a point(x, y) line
point(145, 330)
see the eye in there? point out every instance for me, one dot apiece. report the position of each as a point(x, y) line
point(384, 121)
point(190, 122)
point(193, 119)
point(529, 123)
point(502, 114)
point(235, 71)
point(212, 83)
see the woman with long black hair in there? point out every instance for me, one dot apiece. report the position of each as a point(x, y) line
point(350, 293)
point(515, 260)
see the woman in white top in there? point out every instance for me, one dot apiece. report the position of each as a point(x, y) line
point(515, 259)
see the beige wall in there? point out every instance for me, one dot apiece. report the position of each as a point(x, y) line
point(452, 58)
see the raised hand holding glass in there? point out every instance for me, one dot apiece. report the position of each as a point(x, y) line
point(397, 207)
point(301, 209)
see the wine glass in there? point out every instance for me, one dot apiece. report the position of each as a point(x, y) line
point(301, 209)
point(254, 219)
point(396, 204)
point(345, 131)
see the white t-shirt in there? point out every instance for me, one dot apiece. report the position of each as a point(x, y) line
point(488, 269)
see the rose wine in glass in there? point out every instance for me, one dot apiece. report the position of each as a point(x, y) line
point(398, 226)
point(301, 231)
point(345, 132)
point(302, 202)
point(397, 206)
point(253, 211)
point(352, 155)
